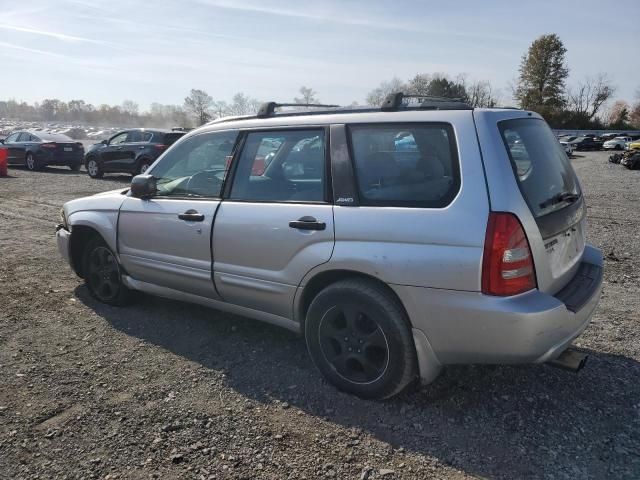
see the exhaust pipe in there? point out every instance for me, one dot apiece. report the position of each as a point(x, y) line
point(571, 360)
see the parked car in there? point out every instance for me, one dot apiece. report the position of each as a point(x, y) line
point(618, 143)
point(633, 145)
point(586, 143)
point(609, 136)
point(130, 151)
point(390, 264)
point(36, 150)
point(568, 148)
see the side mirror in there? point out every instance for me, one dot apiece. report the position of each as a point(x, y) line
point(143, 186)
point(105, 142)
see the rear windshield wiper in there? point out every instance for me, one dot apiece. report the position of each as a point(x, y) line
point(568, 197)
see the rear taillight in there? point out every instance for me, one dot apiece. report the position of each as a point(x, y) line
point(161, 147)
point(507, 265)
point(48, 145)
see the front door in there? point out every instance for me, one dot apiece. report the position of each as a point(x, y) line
point(15, 153)
point(166, 240)
point(277, 222)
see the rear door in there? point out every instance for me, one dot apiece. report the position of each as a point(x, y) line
point(137, 141)
point(112, 154)
point(553, 210)
point(277, 222)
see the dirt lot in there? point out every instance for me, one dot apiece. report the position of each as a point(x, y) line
point(167, 390)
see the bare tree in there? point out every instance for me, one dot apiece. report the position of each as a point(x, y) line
point(243, 105)
point(590, 95)
point(618, 115)
point(130, 107)
point(308, 96)
point(634, 116)
point(481, 94)
point(376, 96)
point(420, 84)
point(219, 108)
point(198, 104)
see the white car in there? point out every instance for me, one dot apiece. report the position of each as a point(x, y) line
point(568, 148)
point(618, 143)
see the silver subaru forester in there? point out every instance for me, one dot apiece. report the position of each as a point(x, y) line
point(396, 239)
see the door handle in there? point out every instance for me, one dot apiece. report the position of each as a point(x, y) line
point(191, 216)
point(307, 223)
point(119, 148)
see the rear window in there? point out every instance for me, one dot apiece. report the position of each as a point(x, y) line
point(541, 166)
point(54, 137)
point(170, 138)
point(406, 165)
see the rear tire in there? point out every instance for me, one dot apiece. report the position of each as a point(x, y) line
point(143, 166)
point(359, 337)
point(93, 168)
point(31, 163)
point(103, 274)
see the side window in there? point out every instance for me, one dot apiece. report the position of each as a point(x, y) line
point(195, 167)
point(12, 138)
point(118, 139)
point(285, 166)
point(518, 153)
point(134, 136)
point(410, 165)
point(24, 137)
point(146, 137)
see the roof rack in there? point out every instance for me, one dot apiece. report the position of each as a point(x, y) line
point(269, 108)
point(395, 101)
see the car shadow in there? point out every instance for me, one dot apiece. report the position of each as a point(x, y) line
point(483, 420)
point(48, 169)
point(62, 170)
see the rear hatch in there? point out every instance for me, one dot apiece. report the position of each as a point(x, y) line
point(551, 189)
point(65, 151)
point(170, 138)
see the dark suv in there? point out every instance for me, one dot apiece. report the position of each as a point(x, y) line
point(129, 151)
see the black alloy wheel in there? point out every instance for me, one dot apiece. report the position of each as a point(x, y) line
point(102, 274)
point(354, 344)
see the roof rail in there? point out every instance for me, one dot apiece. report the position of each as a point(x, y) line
point(394, 101)
point(269, 108)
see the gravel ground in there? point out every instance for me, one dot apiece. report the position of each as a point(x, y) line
point(163, 389)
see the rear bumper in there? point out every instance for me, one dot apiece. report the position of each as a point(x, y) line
point(46, 158)
point(534, 327)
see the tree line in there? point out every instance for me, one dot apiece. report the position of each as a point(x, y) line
point(541, 87)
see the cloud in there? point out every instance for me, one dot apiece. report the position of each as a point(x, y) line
point(32, 50)
point(58, 36)
point(351, 18)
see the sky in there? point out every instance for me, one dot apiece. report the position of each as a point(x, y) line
point(106, 51)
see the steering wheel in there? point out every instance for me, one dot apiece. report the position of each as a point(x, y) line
point(206, 183)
